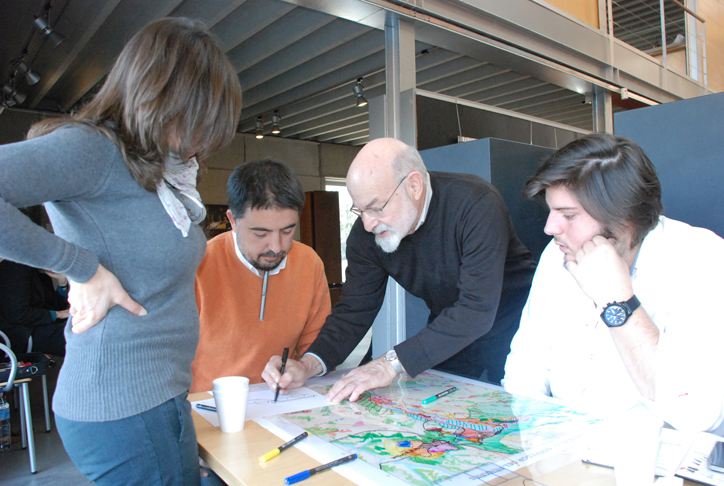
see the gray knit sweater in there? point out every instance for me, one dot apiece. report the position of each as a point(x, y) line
point(126, 364)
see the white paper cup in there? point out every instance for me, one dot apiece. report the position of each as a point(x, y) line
point(231, 394)
point(636, 447)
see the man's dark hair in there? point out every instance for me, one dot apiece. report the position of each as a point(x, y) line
point(263, 184)
point(610, 176)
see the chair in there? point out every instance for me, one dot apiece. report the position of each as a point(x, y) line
point(26, 416)
point(45, 389)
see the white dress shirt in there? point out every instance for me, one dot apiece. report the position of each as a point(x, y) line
point(564, 350)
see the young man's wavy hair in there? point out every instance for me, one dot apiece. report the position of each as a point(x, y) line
point(611, 177)
point(171, 90)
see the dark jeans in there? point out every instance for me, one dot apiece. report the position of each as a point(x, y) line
point(48, 338)
point(156, 447)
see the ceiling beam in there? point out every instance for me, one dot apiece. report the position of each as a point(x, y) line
point(288, 30)
point(96, 16)
point(97, 56)
point(335, 74)
point(323, 48)
point(248, 19)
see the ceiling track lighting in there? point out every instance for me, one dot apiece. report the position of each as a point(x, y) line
point(259, 128)
point(42, 24)
point(15, 98)
point(10, 96)
point(31, 77)
point(276, 130)
point(360, 93)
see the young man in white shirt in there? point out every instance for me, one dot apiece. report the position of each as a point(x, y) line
point(631, 312)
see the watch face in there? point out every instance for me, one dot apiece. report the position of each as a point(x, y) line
point(615, 315)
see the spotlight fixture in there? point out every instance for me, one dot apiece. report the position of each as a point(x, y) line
point(275, 123)
point(14, 96)
point(259, 128)
point(7, 103)
point(360, 93)
point(25, 70)
point(53, 36)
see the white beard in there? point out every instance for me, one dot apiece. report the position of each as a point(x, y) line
point(390, 243)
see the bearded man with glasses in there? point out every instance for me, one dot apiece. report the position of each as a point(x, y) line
point(446, 238)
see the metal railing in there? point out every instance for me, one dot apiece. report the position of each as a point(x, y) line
point(661, 28)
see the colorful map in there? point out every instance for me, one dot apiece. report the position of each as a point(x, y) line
point(475, 433)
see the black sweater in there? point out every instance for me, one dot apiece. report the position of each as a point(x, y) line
point(465, 262)
point(27, 296)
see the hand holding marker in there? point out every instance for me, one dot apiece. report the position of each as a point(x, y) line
point(285, 355)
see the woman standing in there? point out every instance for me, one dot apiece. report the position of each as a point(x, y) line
point(118, 179)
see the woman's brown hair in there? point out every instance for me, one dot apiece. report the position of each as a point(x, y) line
point(171, 84)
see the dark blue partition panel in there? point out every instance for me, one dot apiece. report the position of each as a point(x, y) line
point(507, 165)
point(469, 157)
point(512, 164)
point(685, 142)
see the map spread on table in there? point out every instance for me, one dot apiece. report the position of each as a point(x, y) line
point(470, 436)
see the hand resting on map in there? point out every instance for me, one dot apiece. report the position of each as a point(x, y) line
point(375, 374)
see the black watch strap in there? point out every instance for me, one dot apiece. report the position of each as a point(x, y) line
point(632, 304)
point(629, 307)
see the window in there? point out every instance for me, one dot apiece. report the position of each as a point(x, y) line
point(346, 218)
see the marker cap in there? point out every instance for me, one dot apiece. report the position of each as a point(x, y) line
point(269, 455)
point(297, 477)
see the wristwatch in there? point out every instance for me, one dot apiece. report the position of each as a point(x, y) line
point(616, 314)
point(391, 357)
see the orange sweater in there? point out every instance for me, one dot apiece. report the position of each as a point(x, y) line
point(232, 340)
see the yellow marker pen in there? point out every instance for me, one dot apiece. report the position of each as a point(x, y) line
point(278, 450)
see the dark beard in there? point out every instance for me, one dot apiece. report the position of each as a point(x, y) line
point(266, 268)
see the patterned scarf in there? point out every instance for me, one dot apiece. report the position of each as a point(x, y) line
point(178, 194)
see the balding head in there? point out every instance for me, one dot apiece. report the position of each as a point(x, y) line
point(385, 159)
point(381, 168)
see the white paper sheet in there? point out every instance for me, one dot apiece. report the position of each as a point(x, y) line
point(673, 447)
point(694, 464)
point(261, 403)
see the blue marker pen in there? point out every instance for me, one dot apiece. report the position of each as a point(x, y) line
point(306, 474)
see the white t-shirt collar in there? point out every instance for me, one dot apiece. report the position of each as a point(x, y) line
point(428, 197)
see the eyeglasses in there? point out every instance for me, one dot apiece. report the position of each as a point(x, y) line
point(370, 211)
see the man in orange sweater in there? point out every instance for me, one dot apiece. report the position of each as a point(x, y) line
point(238, 333)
